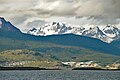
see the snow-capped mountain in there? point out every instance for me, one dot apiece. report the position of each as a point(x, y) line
point(17, 39)
point(112, 31)
point(108, 34)
point(97, 33)
point(54, 29)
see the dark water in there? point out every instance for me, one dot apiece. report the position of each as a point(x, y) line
point(59, 75)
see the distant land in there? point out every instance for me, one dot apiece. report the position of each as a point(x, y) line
point(61, 51)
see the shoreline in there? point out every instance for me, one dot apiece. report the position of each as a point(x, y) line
point(25, 68)
point(96, 69)
point(37, 68)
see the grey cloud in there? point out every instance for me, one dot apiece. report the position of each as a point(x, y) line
point(111, 8)
point(104, 8)
point(20, 19)
point(16, 5)
point(99, 20)
point(96, 11)
point(36, 23)
point(104, 21)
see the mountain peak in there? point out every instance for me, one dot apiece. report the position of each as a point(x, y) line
point(33, 29)
point(110, 27)
point(95, 29)
point(7, 26)
point(112, 31)
point(2, 18)
point(97, 33)
point(2, 21)
point(58, 28)
point(55, 23)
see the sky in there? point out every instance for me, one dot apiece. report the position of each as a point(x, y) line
point(26, 14)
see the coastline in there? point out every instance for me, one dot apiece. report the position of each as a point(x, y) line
point(37, 68)
point(25, 68)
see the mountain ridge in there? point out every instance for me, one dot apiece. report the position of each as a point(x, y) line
point(57, 28)
point(63, 39)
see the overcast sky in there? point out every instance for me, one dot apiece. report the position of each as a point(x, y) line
point(27, 13)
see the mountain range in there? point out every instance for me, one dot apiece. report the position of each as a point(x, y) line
point(108, 34)
point(61, 44)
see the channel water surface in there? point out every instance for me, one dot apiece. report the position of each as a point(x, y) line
point(59, 75)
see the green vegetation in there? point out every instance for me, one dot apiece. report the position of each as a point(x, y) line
point(25, 57)
point(41, 64)
point(13, 44)
point(18, 50)
point(17, 55)
point(51, 59)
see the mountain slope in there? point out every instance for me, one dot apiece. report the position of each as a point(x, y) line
point(66, 40)
point(81, 41)
point(30, 56)
point(7, 26)
point(116, 43)
point(97, 33)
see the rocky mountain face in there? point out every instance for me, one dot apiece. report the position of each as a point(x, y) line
point(108, 34)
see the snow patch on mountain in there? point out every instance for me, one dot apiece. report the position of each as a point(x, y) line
point(55, 28)
point(97, 33)
point(108, 34)
point(112, 31)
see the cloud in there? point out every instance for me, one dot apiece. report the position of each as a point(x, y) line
point(83, 8)
point(19, 19)
point(101, 20)
point(94, 11)
point(47, 8)
point(36, 23)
